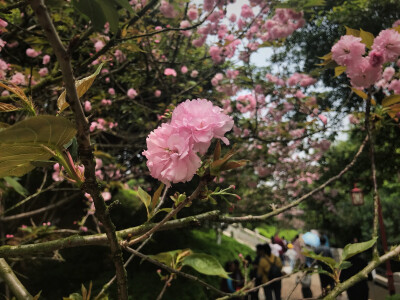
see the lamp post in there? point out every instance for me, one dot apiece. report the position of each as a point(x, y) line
point(357, 198)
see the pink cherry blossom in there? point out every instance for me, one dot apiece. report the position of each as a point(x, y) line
point(170, 72)
point(203, 121)
point(363, 74)
point(157, 93)
point(32, 52)
point(43, 72)
point(323, 119)
point(388, 73)
point(132, 93)
point(170, 155)
point(111, 91)
point(184, 70)
point(106, 196)
point(194, 74)
point(388, 42)
point(99, 45)
point(18, 78)
point(87, 106)
point(347, 50)
point(167, 9)
point(246, 11)
point(192, 14)
point(119, 56)
point(46, 59)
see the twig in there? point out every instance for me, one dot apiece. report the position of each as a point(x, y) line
point(39, 191)
point(7, 274)
point(90, 185)
point(171, 270)
point(167, 283)
point(254, 289)
point(108, 284)
point(170, 214)
point(299, 200)
point(37, 211)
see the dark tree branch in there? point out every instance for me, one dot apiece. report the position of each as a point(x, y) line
point(90, 185)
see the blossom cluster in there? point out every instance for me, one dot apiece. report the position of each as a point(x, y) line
point(365, 71)
point(173, 148)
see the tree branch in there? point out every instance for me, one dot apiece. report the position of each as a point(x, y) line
point(180, 273)
point(13, 282)
point(90, 185)
point(275, 212)
point(363, 274)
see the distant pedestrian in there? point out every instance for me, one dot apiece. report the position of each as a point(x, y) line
point(270, 267)
point(227, 285)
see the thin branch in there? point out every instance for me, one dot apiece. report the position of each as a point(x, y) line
point(254, 289)
point(38, 192)
point(7, 274)
point(180, 273)
point(108, 284)
point(166, 284)
point(90, 185)
point(38, 211)
point(171, 214)
point(275, 212)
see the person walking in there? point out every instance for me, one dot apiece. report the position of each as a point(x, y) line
point(269, 267)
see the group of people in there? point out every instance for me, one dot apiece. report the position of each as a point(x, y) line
point(269, 262)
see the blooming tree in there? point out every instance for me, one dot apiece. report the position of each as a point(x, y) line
point(182, 75)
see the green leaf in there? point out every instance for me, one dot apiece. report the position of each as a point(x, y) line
point(353, 32)
point(74, 296)
point(92, 10)
point(367, 38)
point(205, 264)
point(145, 198)
point(344, 265)
point(339, 70)
point(16, 186)
point(360, 93)
point(390, 100)
point(156, 196)
point(26, 141)
point(82, 86)
point(111, 14)
point(353, 249)
point(168, 258)
point(329, 261)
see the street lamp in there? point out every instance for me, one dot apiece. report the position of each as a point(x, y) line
point(357, 196)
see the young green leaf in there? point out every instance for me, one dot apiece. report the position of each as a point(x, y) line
point(360, 93)
point(145, 198)
point(353, 249)
point(329, 261)
point(339, 70)
point(16, 186)
point(390, 100)
point(82, 86)
point(156, 196)
point(30, 140)
point(367, 38)
point(205, 264)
